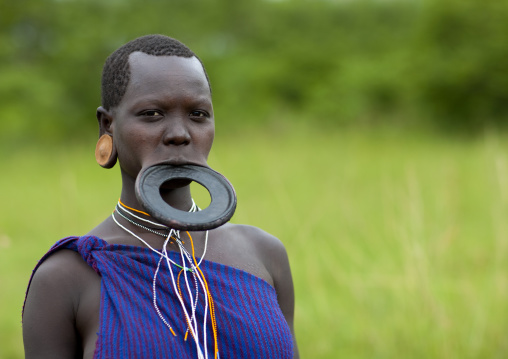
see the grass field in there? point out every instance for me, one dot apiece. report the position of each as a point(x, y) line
point(398, 244)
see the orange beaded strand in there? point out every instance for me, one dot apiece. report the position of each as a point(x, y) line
point(210, 299)
point(134, 209)
point(181, 296)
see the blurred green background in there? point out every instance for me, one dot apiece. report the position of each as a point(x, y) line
point(369, 136)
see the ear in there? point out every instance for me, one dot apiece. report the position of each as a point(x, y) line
point(105, 119)
point(105, 151)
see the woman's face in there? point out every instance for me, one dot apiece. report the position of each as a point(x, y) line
point(165, 115)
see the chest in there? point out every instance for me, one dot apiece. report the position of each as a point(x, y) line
point(121, 310)
point(231, 254)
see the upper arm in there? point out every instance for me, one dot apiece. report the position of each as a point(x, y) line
point(49, 313)
point(277, 262)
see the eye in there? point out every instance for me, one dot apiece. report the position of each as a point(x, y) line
point(199, 114)
point(151, 113)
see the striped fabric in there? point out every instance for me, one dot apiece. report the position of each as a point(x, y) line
point(250, 323)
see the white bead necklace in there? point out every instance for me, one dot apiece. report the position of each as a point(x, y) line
point(192, 325)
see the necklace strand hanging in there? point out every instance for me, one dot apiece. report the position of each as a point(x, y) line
point(122, 207)
point(193, 268)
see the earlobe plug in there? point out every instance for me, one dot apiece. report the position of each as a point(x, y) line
point(105, 153)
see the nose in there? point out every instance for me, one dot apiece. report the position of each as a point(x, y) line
point(176, 133)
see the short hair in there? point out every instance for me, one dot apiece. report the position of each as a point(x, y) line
point(116, 71)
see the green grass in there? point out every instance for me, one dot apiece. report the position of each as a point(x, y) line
point(398, 245)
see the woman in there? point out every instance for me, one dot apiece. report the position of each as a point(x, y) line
point(132, 288)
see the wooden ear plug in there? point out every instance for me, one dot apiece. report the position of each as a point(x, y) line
point(105, 155)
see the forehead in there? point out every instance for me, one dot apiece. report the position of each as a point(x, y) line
point(152, 74)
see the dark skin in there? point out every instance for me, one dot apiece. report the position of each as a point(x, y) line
point(166, 114)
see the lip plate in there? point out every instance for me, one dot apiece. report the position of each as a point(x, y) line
point(223, 197)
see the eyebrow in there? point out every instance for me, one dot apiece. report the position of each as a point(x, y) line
point(149, 100)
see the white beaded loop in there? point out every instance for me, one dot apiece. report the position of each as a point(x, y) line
point(188, 265)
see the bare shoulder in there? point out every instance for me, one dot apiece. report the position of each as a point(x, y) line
point(271, 252)
point(258, 238)
point(61, 278)
point(59, 272)
point(51, 305)
point(253, 244)
point(268, 248)
point(59, 258)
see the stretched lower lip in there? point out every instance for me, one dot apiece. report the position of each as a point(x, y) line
point(179, 163)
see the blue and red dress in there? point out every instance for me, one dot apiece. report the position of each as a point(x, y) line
point(249, 321)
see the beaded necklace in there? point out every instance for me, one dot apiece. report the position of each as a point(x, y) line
point(191, 267)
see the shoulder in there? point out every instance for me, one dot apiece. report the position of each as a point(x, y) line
point(267, 248)
point(263, 243)
point(57, 267)
point(60, 257)
point(258, 236)
point(61, 264)
point(51, 305)
point(61, 275)
point(272, 252)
